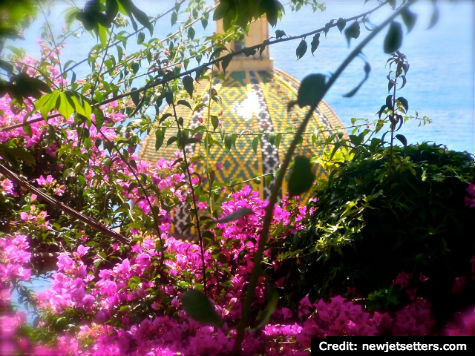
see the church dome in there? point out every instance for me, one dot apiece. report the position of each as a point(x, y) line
point(253, 117)
point(253, 103)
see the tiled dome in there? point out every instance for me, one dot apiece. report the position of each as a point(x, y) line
point(254, 100)
point(251, 102)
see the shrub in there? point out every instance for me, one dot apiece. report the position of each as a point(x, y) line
point(389, 230)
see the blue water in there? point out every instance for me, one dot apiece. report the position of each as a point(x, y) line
point(440, 80)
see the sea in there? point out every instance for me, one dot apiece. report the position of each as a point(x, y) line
point(440, 81)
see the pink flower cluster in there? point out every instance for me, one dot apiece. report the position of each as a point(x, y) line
point(14, 267)
point(14, 256)
point(129, 301)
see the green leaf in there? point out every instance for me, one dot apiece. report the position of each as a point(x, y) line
point(402, 139)
point(140, 37)
point(367, 69)
point(272, 10)
point(141, 17)
point(184, 103)
point(301, 176)
point(409, 19)
point(220, 11)
point(199, 71)
point(81, 106)
point(268, 180)
point(301, 49)
point(28, 130)
point(99, 118)
point(352, 32)
point(65, 106)
point(311, 90)
point(315, 42)
point(403, 102)
point(341, 23)
point(225, 61)
point(159, 137)
point(214, 121)
point(228, 141)
point(279, 34)
point(188, 84)
point(199, 307)
point(102, 34)
point(191, 33)
point(47, 103)
point(111, 9)
point(255, 143)
point(174, 18)
point(6, 66)
point(135, 97)
point(435, 15)
point(171, 140)
point(134, 282)
point(164, 117)
point(393, 39)
point(235, 215)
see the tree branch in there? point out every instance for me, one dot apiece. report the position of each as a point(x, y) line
point(57, 204)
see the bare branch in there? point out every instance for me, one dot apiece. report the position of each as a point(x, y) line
point(57, 204)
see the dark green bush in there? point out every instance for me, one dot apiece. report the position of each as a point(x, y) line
point(374, 219)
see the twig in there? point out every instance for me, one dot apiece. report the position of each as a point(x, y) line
point(65, 208)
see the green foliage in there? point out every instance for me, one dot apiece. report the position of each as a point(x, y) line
point(315, 42)
point(370, 224)
point(352, 31)
point(301, 49)
point(301, 176)
point(236, 215)
point(393, 39)
point(311, 90)
point(243, 11)
point(199, 307)
point(15, 15)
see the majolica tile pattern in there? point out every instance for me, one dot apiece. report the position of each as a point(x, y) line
point(251, 102)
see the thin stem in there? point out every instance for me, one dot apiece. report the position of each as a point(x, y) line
point(193, 197)
point(56, 48)
point(393, 126)
point(98, 74)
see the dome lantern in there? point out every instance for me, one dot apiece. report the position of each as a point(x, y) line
point(258, 33)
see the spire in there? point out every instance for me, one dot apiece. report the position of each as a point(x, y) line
point(258, 33)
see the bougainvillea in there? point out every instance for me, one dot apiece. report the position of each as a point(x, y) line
point(83, 206)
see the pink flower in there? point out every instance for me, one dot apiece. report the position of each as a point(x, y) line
point(144, 205)
point(42, 181)
point(463, 324)
point(82, 250)
point(7, 186)
point(403, 280)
